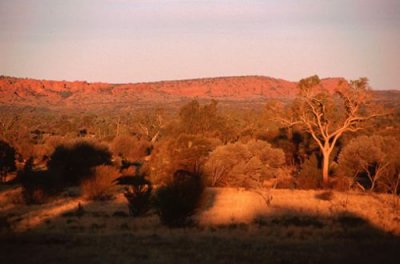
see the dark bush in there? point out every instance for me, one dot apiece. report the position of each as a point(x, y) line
point(70, 164)
point(178, 200)
point(137, 191)
point(37, 186)
point(7, 160)
point(138, 194)
point(324, 196)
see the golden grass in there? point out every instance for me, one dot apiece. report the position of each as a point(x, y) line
point(225, 206)
point(235, 225)
point(99, 186)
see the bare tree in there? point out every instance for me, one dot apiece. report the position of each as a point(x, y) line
point(151, 124)
point(327, 115)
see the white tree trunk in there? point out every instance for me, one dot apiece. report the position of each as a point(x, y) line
point(325, 167)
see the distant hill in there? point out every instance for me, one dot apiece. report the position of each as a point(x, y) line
point(81, 94)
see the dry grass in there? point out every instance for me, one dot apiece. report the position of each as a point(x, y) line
point(99, 186)
point(235, 225)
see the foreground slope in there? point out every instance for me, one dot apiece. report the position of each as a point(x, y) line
point(235, 226)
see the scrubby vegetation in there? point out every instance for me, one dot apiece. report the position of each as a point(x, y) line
point(138, 195)
point(176, 201)
point(38, 186)
point(72, 163)
point(372, 162)
point(7, 160)
point(244, 164)
point(321, 139)
point(98, 186)
point(310, 175)
point(224, 171)
point(138, 191)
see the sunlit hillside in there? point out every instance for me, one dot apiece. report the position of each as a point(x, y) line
point(84, 95)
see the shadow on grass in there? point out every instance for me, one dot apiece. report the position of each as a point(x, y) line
point(103, 232)
point(287, 237)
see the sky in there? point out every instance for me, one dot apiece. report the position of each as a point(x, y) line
point(151, 40)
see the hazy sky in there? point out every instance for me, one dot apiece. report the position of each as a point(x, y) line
point(148, 40)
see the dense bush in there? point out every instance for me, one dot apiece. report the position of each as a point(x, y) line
point(187, 152)
point(98, 185)
point(72, 163)
point(7, 160)
point(372, 161)
point(130, 148)
point(247, 165)
point(41, 152)
point(138, 192)
point(37, 185)
point(179, 199)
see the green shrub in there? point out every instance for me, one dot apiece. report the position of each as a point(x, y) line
point(179, 199)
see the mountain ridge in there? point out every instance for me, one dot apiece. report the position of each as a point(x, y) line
point(51, 93)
